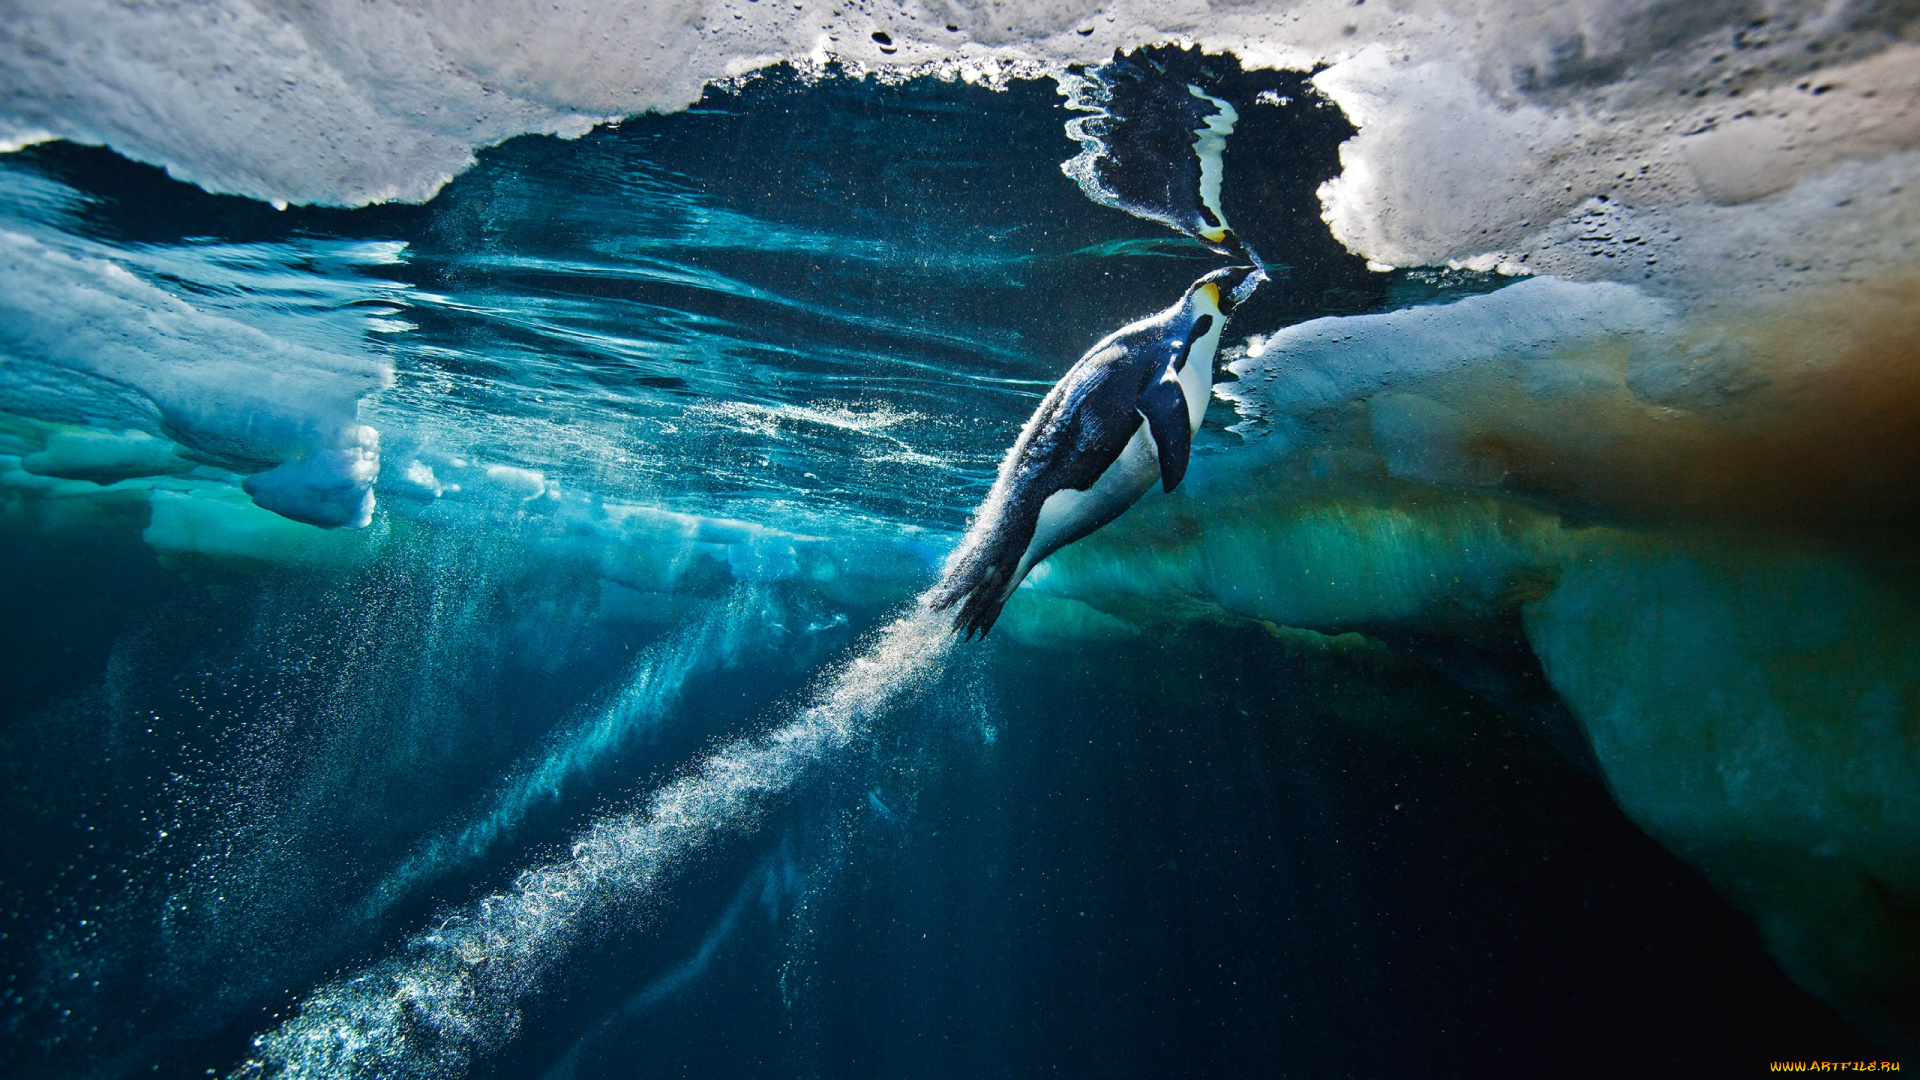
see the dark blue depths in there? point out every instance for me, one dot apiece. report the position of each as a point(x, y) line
point(1221, 853)
point(1298, 864)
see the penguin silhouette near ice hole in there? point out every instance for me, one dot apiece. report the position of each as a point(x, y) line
point(1124, 416)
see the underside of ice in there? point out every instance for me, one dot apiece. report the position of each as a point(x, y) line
point(1624, 141)
point(88, 342)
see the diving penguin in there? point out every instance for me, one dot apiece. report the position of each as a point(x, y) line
point(1121, 418)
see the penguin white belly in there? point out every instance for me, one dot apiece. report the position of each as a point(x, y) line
point(1067, 514)
point(1196, 379)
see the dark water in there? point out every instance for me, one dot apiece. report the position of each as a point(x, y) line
point(1337, 867)
point(1297, 858)
point(807, 319)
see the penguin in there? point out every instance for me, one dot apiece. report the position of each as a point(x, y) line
point(1121, 418)
point(1155, 147)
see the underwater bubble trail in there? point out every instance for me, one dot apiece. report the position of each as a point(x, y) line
point(658, 681)
point(454, 992)
point(670, 983)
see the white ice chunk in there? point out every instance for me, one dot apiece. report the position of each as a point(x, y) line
point(418, 481)
point(87, 341)
point(329, 488)
point(104, 456)
point(1315, 366)
point(518, 482)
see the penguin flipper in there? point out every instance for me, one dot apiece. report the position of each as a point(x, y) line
point(1164, 404)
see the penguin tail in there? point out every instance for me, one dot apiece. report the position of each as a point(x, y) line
point(981, 591)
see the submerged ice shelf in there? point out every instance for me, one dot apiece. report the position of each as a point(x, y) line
point(1631, 420)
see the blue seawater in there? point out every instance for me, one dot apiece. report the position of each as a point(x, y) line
point(604, 748)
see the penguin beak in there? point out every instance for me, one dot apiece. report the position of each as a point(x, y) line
point(1235, 283)
point(1229, 245)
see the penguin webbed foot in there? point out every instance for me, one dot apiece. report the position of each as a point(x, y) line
point(984, 596)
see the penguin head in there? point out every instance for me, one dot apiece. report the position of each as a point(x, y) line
point(1228, 286)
